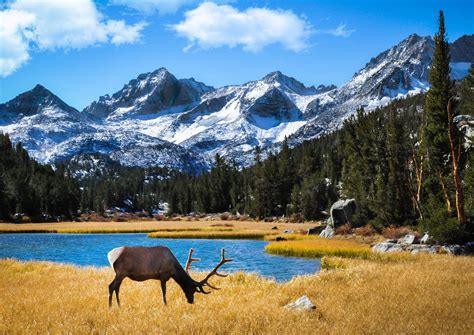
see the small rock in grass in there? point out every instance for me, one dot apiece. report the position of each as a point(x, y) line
point(302, 304)
point(383, 247)
point(274, 227)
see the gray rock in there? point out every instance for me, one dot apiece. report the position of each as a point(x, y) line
point(341, 212)
point(302, 304)
point(453, 249)
point(383, 247)
point(316, 230)
point(407, 239)
point(328, 232)
point(425, 239)
point(420, 248)
point(396, 248)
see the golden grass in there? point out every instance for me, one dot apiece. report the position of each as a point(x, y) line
point(432, 295)
point(318, 247)
point(210, 234)
point(147, 226)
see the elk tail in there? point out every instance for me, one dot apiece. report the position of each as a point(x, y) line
point(114, 254)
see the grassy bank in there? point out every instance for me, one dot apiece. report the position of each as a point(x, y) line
point(210, 234)
point(432, 295)
point(316, 247)
point(252, 227)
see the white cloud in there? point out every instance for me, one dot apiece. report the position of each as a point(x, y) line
point(14, 30)
point(340, 31)
point(29, 25)
point(120, 33)
point(212, 26)
point(150, 6)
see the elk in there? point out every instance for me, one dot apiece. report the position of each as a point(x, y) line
point(143, 263)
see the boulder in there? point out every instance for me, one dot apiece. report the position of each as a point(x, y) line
point(422, 248)
point(341, 212)
point(279, 238)
point(425, 239)
point(407, 239)
point(383, 247)
point(316, 230)
point(396, 248)
point(328, 232)
point(302, 304)
point(453, 249)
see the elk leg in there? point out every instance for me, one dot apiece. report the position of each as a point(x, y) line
point(117, 289)
point(163, 290)
point(114, 286)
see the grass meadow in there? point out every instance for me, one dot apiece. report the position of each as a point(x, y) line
point(431, 294)
point(249, 227)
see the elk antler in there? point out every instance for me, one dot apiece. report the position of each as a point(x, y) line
point(191, 259)
point(214, 272)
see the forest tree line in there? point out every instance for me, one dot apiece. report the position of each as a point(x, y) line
point(30, 189)
point(405, 164)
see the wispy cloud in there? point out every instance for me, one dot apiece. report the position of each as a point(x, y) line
point(28, 25)
point(151, 6)
point(211, 26)
point(340, 31)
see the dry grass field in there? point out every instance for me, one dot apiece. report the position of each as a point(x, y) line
point(431, 294)
point(152, 226)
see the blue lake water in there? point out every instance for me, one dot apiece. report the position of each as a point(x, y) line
point(92, 249)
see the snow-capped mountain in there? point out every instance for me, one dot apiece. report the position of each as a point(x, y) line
point(53, 131)
point(41, 121)
point(231, 120)
point(159, 120)
point(149, 93)
point(395, 73)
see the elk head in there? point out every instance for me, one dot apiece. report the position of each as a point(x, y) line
point(199, 285)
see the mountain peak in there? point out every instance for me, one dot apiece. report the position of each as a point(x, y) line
point(40, 88)
point(34, 101)
point(275, 76)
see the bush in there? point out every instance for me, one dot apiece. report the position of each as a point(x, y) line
point(296, 218)
point(224, 216)
point(392, 232)
point(118, 218)
point(366, 230)
point(447, 231)
point(344, 229)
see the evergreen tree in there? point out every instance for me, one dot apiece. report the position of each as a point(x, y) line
point(435, 132)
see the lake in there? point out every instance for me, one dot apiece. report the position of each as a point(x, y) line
point(92, 249)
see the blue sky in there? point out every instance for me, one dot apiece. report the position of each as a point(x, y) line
point(85, 49)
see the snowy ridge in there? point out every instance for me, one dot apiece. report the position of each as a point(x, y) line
point(159, 120)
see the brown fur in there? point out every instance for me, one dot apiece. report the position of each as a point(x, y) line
point(159, 263)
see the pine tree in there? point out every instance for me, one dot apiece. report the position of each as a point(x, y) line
point(435, 132)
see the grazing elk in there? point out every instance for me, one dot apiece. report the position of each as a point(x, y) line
point(143, 263)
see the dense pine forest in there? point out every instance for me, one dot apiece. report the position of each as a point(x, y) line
point(409, 163)
point(31, 191)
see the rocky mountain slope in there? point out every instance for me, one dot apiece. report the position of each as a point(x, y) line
point(159, 120)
